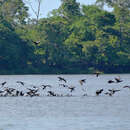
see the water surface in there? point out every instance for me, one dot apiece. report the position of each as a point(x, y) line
point(67, 113)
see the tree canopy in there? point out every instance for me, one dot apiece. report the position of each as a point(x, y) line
point(72, 39)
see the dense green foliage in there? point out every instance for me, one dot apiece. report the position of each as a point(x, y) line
point(73, 39)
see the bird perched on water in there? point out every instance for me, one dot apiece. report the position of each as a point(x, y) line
point(36, 42)
point(126, 87)
point(97, 73)
point(22, 83)
point(118, 80)
point(110, 81)
point(21, 93)
point(51, 93)
point(82, 81)
point(62, 79)
point(99, 91)
point(2, 84)
point(113, 90)
point(108, 93)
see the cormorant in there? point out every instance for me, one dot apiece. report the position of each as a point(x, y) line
point(126, 87)
point(99, 92)
point(97, 73)
point(113, 90)
point(118, 80)
point(36, 42)
point(51, 93)
point(45, 86)
point(62, 79)
point(82, 81)
point(71, 89)
point(22, 83)
point(110, 81)
point(3, 83)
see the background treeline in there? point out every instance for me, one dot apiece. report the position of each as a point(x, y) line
point(73, 38)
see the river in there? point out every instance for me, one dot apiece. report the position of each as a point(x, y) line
point(76, 112)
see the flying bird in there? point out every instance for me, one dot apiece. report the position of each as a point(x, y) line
point(108, 93)
point(63, 85)
point(99, 91)
point(45, 86)
point(126, 87)
point(36, 42)
point(22, 83)
point(71, 89)
point(113, 90)
point(82, 81)
point(62, 79)
point(2, 84)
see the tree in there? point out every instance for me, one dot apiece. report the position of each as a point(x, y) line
point(112, 3)
point(122, 12)
point(14, 52)
point(14, 11)
point(35, 11)
point(69, 9)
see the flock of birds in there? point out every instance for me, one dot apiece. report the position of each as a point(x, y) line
point(34, 90)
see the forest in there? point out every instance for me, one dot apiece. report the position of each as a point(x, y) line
point(73, 39)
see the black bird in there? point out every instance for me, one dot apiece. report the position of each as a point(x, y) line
point(126, 87)
point(113, 90)
point(71, 89)
point(82, 81)
point(17, 93)
point(45, 86)
point(36, 42)
point(34, 87)
point(99, 92)
point(110, 81)
point(97, 73)
point(32, 90)
point(51, 93)
point(2, 84)
point(108, 93)
point(118, 80)
point(8, 90)
point(63, 85)
point(21, 93)
point(22, 83)
point(62, 79)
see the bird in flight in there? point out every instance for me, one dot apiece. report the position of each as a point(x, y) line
point(22, 83)
point(82, 81)
point(36, 42)
point(126, 87)
point(113, 90)
point(3, 83)
point(62, 79)
point(45, 86)
point(71, 88)
point(99, 91)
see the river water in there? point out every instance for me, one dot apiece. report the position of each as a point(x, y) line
point(77, 112)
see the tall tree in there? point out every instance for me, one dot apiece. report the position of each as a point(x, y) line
point(35, 10)
point(69, 8)
point(14, 11)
